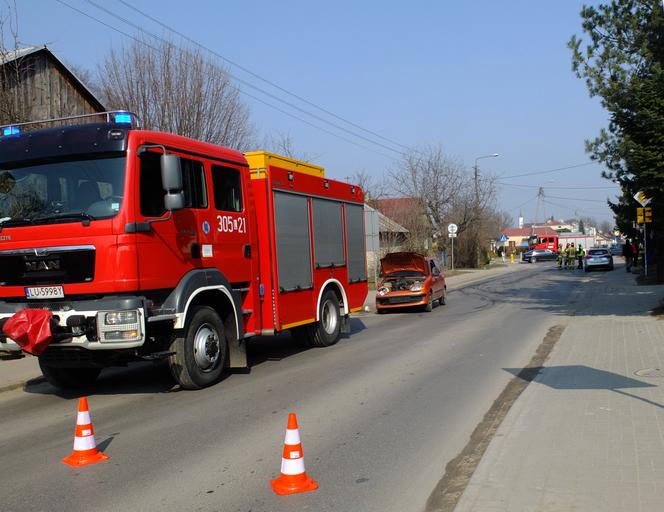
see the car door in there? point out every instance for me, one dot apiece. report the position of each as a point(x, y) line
point(437, 279)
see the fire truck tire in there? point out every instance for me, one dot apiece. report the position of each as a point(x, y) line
point(326, 332)
point(70, 378)
point(199, 357)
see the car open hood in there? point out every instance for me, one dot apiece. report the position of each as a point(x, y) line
point(403, 261)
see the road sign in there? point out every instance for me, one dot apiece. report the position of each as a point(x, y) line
point(641, 198)
point(644, 215)
point(452, 235)
point(504, 238)
point(452, 229)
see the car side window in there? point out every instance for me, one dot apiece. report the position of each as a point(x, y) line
point(434, 269)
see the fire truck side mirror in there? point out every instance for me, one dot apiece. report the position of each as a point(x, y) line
point(171, 180)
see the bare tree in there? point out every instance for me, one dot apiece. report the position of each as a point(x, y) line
point(13, 108)
point(176, 90)
point(374, 188)
point(282, 144)
point(605, 227)
point(87, 77)
point(447, 193)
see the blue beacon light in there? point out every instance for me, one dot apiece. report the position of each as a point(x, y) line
point(123, 118)
point(10, 130)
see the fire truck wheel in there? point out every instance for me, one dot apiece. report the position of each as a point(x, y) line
point(200, 356)
point(325, 332)
point(70, 378)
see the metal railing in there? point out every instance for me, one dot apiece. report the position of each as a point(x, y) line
point(109, 117)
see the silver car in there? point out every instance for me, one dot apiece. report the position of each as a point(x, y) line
point(598, 258)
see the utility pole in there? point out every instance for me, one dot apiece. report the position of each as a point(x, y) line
point(477, 214)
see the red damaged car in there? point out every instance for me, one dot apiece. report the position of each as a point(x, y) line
point(409, 279)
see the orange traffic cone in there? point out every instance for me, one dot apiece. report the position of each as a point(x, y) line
point(293, 477)
point(85, 448)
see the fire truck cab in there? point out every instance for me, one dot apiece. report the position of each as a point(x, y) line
point(543, 242)
point(148, 245)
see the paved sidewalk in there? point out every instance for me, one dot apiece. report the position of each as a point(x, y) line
point(588, 433)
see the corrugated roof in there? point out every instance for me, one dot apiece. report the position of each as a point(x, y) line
point(18, 53)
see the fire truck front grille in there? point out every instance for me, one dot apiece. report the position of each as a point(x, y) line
point(44, 267)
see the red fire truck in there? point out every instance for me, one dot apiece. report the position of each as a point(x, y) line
point(543, 242)
point(148, 245)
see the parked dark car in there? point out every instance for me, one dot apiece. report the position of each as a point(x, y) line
point(598, 258)
point(616, 249)
point(535, 255)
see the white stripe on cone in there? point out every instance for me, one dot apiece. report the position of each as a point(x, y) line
point(292, 466)
point(292, 437)
point(84, 443)
point(83, 418)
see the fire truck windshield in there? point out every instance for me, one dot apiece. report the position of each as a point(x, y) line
point(63, 191)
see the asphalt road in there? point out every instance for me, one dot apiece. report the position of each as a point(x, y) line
point(380, 413)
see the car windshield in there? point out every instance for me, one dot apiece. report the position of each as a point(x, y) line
point(62, 191)
point(598, 252)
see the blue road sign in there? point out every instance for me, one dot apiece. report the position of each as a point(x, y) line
point(504, 238)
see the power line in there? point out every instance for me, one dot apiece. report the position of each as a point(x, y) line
point(318, 127)
point(259, 77)
point(554, 188)
point(575, 209)
point(240, 80)
point(583, 200)
point(547, 171)
point(524, 204)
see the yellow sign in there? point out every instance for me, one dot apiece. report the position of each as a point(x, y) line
point(644, 215)
point(641, 198)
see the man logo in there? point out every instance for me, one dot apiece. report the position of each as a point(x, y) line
point(42, 265)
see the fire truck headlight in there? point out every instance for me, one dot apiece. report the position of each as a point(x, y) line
point(119, 326)
point(121, 317)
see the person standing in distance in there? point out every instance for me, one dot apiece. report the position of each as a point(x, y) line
point(580, 253)
point(627, 254)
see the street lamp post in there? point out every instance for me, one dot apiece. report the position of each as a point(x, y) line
point(478, 220)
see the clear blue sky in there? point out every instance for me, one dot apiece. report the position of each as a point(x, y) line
point(476, 77)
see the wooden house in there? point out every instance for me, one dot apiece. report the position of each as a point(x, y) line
point(35, 84)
